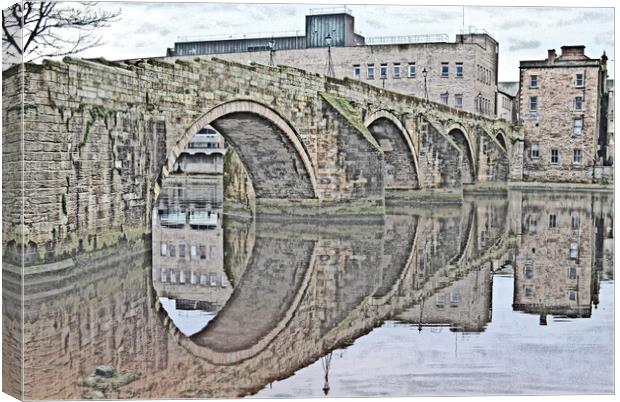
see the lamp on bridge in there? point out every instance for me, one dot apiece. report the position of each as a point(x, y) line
point(424, 74)
point(272, 51)
point(330, 65)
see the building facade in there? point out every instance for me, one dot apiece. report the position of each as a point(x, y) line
point(507, 107)
point(461, 74)
point(562, 105)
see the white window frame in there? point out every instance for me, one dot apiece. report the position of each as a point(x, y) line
point(553, 221)
point(357, 71)
point(411, 70)
point(383, 71)
point(458, 101)
point(578, 104)
point(534, 81)
point(577, 156)
point(396, 71)
point(579, 77)
point(163, 249)
point(578, 128)
point(535, 103)
point(460, 70)
point(574, 251)
point(370, 72)
point(445, 70)
point(535, 147)
point(557, 156)
point(444, 98)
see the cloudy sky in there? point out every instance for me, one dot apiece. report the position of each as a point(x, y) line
point(524, 33)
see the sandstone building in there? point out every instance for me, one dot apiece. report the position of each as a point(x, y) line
point(562, 103)
point(461, 74)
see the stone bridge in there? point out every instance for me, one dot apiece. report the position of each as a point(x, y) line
point(99, 137)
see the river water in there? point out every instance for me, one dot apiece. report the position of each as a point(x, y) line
point(506, 294)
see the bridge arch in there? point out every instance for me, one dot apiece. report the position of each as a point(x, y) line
point(401, 160)
point(268, 145)
point(461, 137)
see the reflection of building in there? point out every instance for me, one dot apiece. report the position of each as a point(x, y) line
point(465, 305)
point(461, 74)
point(555, 269)
point(188, 255)
point(562, 107)
point(204, 154)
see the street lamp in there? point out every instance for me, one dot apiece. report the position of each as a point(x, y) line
point(272, 51)
point(330, 65)
point(424, 74)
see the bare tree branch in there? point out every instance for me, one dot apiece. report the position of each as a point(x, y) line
point(46, 29)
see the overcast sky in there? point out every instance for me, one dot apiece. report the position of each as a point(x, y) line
point(524, 33)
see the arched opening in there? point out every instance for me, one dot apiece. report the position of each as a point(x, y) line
point(468, 165)
point(269, 148)
point(502, 140)
point(400, 167)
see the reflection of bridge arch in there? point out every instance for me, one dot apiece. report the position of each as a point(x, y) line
point(228, 346)
point(268, 146)
point(401, 161)
point(462, 138)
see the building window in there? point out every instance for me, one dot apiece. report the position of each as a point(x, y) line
point(572, 273)
point(444, 98)
point(529, 270)
point(555, 156)
point(535, 152)
point(212, 279)
point(357, 71)
point(459, 70)
point(572, 295)
point(577, 156)
point(440, 299)
point(458, 101)
point(445, 70)
point(396, 70)
point(552, 220)
point(578, 125)
point(411, 70)
point(528, 291)
point(172, 251)
point(455, 299)
point(192, 250)
point(384, 69)
point(182, 250)
point(533, 103)
point(203, 252)
point(574, 250)
point(370, 73)
point(574, 221)
point(532, 225)
point(579, 80)
point(533, 81)
point(164, 249)
point(578, 105)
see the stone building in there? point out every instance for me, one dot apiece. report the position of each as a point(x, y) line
point(461, 74)
point(562, 105)
point(610, 123)
point(507, 93)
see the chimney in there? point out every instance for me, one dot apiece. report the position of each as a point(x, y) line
point(551, 56)
point(573, 52)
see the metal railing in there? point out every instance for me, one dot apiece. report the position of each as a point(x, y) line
point(250, 35)
point(394, 40)
point(330, 10)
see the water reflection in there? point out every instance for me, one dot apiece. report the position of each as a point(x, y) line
point(221, 306)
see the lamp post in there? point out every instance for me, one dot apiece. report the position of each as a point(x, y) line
point(272, 51)
point(424, 74)
point(330, 65)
